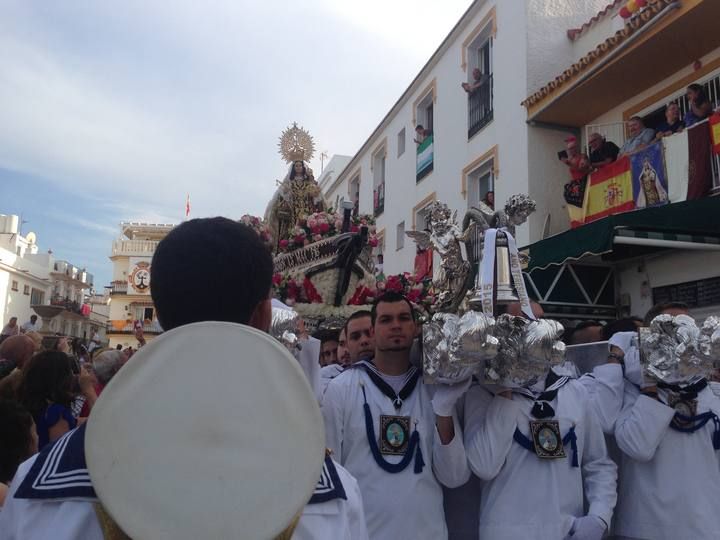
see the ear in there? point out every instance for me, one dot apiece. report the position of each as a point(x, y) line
point(261, 316)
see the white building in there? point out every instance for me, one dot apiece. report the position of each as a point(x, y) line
point(487, 141)
point(34, 283)
point(130, 300)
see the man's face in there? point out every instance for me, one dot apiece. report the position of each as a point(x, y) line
point(476, 74)
point(395, 328)
point(595, 142)
point(635, 127)
point(343, 354)
point(328, 353)
point(12, 321)
point(360, 339)
point(572, 149)
point(672, 114)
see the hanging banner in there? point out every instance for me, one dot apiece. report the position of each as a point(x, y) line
point(650, 187)
point(139, 275)
point(714, 122)
point(609, 191)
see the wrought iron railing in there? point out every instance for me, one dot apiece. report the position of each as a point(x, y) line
point(480, 106)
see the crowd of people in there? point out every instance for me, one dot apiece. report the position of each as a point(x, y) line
point(399, 447)
point(639, 136)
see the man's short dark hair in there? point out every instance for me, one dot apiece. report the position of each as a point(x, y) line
point(16, 426)
point(33, 317)
point(621, 325)
point(357, 315)
point(638, 119)
point(210, 269)
point(390, 297)
point(657, 309)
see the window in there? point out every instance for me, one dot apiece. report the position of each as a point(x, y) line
point(401, 143)
point(426, 139)
point(14, 285)
point(400, 235)
point(26, 290)
point(480, 79)
point(37, 297)
point(379, 182)
point(422, 218)
point(355, 194)
point(481, 181)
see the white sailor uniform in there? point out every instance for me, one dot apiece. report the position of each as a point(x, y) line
point(524, 495)
point(670, 470)
point(401, 494)
point(327, 374)
point(52, 496)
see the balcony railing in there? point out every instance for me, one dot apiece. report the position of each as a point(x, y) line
point(118, 287)
point(126, 327)
point(425, 157)
point(70, 305)
point(379, 199)
point(134, 247)
point(480, 106)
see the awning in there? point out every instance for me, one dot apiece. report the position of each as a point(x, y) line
point(684, 225)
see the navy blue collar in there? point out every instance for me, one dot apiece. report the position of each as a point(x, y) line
point(60, 471)
point(329, 486)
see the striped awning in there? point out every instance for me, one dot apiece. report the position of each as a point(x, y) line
point(667, 236)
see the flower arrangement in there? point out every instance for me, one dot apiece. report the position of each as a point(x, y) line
point(419, 292)
point(321, 225)
point(259, 227)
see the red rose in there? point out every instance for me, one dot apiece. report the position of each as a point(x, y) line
point(276, 279)
point(283, 244)
point(324, 227)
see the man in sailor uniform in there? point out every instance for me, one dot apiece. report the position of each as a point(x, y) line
point(538, 451)
point(52, 494)
point(383, 427)
point(669, 435)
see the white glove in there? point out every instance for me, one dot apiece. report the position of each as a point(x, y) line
point(587, 528)
point(622, 340)
point(633, 369)
point(446, 395)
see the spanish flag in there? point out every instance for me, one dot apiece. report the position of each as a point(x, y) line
point(714, 122)
point(609, 190)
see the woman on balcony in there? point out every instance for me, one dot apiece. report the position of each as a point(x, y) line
point(699, 107)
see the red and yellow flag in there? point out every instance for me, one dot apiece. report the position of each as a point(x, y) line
point(609, 191)
point(714, 122)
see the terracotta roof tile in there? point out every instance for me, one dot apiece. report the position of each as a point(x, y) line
point(573, 33)
point(631, 26)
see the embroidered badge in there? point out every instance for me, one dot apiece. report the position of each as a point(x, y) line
point(547, 439)
point(394, 434)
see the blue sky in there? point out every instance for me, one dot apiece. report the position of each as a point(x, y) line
point(115, 111)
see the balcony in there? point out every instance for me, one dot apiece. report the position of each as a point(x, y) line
point(118, 287)
point(134, 247)
point(425, 156)
point(480, 106)
point(379, 199)
point(128, 327)
point(70, 272)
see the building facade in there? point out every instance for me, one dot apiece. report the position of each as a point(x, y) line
point(34, 283)
point(130, 300)
point(503, 131)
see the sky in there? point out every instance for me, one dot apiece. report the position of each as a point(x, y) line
point(116, 111)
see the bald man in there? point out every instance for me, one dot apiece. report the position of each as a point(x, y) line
point(15, 353)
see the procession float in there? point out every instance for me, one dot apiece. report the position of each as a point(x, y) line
point(324, 270)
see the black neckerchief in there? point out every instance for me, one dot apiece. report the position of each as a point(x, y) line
point(411, 378)
point(542, 408)
point(688, 391)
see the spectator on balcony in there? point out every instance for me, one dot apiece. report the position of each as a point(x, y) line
point(699, 107)
point(639, 136)
point(478, 80)
point(379, 268)
point(672, 124)
point(421, 134)
point(32, 325)
point(579, 164)
point(602, 151)
point(489, 199)
point(10, 329)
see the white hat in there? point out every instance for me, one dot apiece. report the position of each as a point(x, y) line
point(209, 431)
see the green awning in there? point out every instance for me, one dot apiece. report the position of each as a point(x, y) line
point(688, 221)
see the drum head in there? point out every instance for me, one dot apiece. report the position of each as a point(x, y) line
point(209, 431)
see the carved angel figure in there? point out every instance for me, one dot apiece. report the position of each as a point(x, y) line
point(445, 236)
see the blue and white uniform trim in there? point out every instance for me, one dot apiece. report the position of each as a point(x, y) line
point(60, 471)
point(329, 486)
